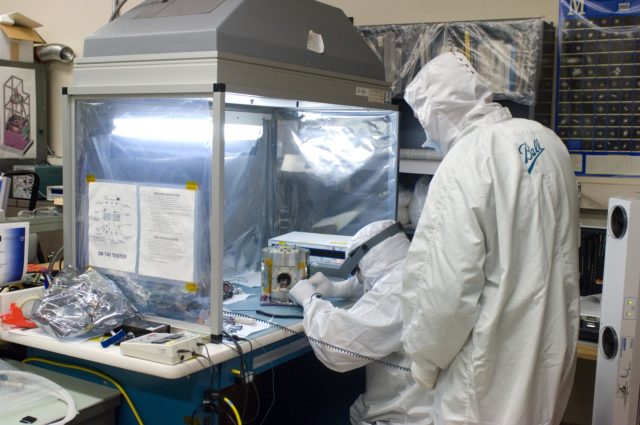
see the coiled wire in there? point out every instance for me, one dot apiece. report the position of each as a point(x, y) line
point(54, 259)
point(322, 343)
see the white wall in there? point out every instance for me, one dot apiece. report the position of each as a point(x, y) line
point(70, 21)
point(370, 12)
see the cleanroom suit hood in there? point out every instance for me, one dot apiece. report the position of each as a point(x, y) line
point(447, 96)
point(490, 286)
point(371, 328)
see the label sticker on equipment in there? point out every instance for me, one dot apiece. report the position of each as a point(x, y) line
point(372, 95)
point(315, 42)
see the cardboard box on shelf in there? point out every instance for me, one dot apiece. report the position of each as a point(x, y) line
point(17, 36)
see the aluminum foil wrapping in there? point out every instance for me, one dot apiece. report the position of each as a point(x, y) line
point(81, 305)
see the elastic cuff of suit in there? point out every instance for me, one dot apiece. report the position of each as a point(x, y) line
point(424, 376)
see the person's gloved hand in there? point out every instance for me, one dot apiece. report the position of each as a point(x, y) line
point(345, 289)
point(302, 292)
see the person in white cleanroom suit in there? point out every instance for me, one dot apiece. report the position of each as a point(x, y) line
point(490, 287)
point(371, 327)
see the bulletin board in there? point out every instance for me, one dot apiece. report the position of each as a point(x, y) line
point(23, 114)
point(598, 90)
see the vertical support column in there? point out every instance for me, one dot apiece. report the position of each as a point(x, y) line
point(618, 367)
point(69, 179)
point(216, 220)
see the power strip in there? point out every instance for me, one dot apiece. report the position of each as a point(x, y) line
point(167, 348)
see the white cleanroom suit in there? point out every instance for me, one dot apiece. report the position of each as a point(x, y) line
point(371, 327)
point(490, 288)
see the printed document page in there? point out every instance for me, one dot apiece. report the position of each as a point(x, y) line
point(113, 226)
point(167, 226)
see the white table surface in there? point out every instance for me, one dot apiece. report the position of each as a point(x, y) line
point(85, 394)
point(93, 351)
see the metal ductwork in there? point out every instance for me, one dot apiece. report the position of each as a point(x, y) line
point(54, 52)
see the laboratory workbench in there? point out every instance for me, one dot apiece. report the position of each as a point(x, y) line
point(91, 350)
point(218, 353)
point(168, 393)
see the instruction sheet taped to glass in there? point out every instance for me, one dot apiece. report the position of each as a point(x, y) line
point(148, 230)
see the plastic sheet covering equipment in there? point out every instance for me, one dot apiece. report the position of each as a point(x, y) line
point(324, 170)
point(505, 53)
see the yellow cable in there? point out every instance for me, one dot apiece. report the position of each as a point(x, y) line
point(235, 411)
point(94, 372)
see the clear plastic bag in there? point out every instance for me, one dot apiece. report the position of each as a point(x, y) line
point(21, 390)
point(81, 305)
point(12, 392)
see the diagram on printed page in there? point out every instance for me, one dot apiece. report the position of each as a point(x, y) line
point(17, 138)
point(113, 226)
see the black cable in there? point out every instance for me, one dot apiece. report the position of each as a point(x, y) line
point(244, 370)
point(244, 410)
point(280, 316)
point(232, 348)
point(255, 389)
point(239, 353)
point(195, 356)
point(233, 421)
point(238, 338)
point(273, 387)
point(213, 370)
point(238, 350)
point(246, 398)
point(212, 366)
point(40, 254)
point(322, 343)
point(235, 340)
point(273, 392)
point(243, 365)
point(195, 412)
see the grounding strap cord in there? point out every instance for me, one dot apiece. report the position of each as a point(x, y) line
point(320, 342)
